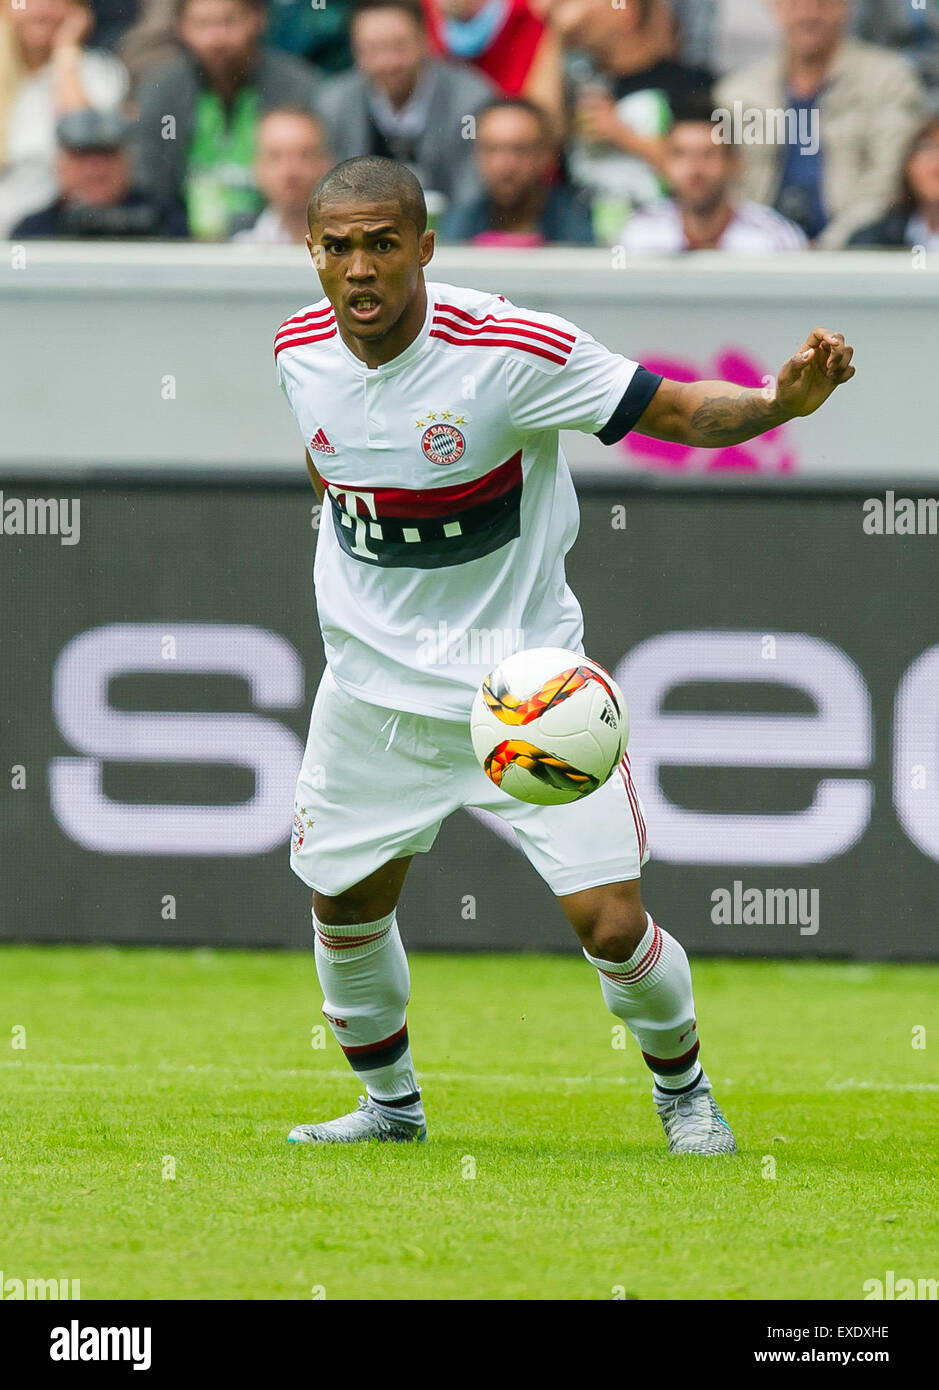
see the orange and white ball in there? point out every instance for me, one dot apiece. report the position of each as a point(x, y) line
point(549, 726)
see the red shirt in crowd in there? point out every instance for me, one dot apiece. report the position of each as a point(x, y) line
point(509, 57)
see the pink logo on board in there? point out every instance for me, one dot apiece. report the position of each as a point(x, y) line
point(768, 454)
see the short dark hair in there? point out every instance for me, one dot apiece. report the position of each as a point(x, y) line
point(412, 8)
point(532, 108)
point(370, 178)
point(697, 108)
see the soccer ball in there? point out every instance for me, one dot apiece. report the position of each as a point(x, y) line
point(549, 726)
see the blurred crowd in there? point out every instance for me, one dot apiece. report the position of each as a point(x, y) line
point(658, 125)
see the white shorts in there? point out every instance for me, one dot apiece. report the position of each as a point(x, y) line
point(376, 784)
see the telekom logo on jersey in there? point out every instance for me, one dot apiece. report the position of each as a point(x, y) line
point(351, 515)
point(836, 738)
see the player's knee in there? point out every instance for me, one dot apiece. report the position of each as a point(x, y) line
point(616, 930)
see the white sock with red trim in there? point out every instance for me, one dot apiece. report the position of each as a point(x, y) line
point(651, 993)
point(363, 972)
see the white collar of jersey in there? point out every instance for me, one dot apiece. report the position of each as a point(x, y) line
point(403, 359)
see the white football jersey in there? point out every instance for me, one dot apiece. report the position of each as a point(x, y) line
point(754, 229)
point(449, 504)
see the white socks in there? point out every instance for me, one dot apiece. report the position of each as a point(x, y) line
point(651, 993)
point(363, 972)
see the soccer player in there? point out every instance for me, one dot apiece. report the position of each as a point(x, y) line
point(433, 413)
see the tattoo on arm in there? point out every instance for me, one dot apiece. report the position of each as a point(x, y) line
point(733, 419)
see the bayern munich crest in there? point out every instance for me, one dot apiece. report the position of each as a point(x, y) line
point(301, 824)
point(443, 443)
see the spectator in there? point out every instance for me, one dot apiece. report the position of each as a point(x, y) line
point(401, 103)
point(861, 105)
point(112, 20)
point(97, 197)
point(703, 213)
point(214, 94)
point(292, 156)
point(152, 41)
point(694, 23)
point(506, 41)
point(911, 27)
point(319, 33)
point(516, 152)
point(625, 85)
point(723, 34)
point(45, 72)
point(914, 220)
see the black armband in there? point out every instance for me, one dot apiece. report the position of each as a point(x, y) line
point(636, 397)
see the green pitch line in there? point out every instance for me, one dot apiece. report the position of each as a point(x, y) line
point(144, 1127)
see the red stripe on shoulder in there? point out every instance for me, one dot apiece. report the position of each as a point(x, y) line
point(498, 342)
point(508, 331)
point(302, 340)
point(313, 315)
point(492, 318)
point(293, 328)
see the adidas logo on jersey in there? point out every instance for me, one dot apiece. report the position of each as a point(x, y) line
point(321, 444)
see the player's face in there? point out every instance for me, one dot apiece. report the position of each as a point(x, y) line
point(370, 258)
point(698, 171)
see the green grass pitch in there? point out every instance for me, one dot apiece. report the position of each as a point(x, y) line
point(144, 1124)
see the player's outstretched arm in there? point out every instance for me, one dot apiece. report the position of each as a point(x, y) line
point(712, 414)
